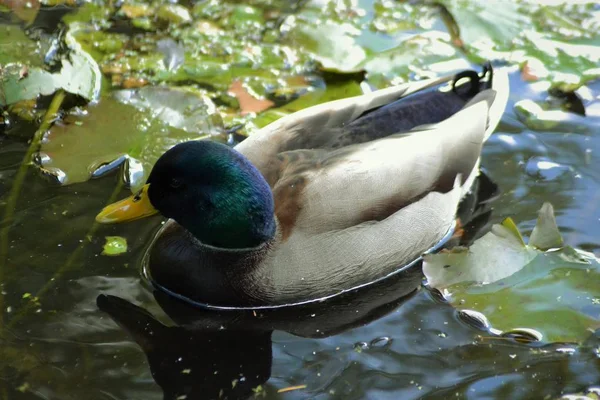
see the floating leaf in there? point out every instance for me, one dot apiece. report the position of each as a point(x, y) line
point(506, 29)
point(133, 10)
point(486, 22)
point(173, 14)
point(15, 46)
point(510, 225)
point(333, 45)
point(537, 118)
point(556, 294)
point(79, 75)
point(545, 234)
point(173, 53)
point(416, 52)
point(497, 255)
point(569, 65)
point(520, 287)
point(114, 246)
point(88, 14)
point(248, 102)
point(25, 10)
point(135, 126)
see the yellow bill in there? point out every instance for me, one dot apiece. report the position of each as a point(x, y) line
point(129, 209)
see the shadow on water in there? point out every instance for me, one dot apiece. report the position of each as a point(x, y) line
point(227, 354)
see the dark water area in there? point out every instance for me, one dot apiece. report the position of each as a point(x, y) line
point(396, 341)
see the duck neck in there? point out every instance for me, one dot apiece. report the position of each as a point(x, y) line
point(179, 262)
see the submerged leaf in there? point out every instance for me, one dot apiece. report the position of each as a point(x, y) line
point(114, 246)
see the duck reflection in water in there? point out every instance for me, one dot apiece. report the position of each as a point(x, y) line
point(227, 354)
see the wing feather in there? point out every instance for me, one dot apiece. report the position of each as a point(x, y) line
point(372, 181)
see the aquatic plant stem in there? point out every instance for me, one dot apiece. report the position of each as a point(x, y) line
point(67, 265)
point(11, 202)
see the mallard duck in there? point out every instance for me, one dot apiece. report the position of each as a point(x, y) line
point(321, 201)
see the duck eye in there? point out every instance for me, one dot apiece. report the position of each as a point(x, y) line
point(176, 183)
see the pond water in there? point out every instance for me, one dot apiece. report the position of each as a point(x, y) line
point(394, 341)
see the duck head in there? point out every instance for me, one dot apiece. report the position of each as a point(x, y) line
point(211, 190)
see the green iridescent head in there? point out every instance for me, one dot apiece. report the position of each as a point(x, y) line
point(211, 190)
point(215, 193)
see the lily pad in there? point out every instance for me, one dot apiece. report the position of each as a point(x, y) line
point(485, 22)
point(25, 10)
point(518, 286)
point(414, 54)
point(477, 264)
point(248, 103)
point(569, 65)
point(79, 75)
point(133, 126)
point(15, 46)
point(535, 117)
point(561, 43)
point(333, 45)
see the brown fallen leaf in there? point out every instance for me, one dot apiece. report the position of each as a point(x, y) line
point(248, 103)
point(533, 70)
point(527, 74)
point(133, 82)
point(25, 10)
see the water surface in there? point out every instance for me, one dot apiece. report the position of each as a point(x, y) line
point(397, 342)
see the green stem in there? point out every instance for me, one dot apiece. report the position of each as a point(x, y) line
point(13, 196)
point(67, 265)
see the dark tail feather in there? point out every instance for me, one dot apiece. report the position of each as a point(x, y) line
point(487, 72)
point(476, 82)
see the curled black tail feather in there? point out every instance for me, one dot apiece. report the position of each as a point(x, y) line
point(489, 72)
point(476, 81)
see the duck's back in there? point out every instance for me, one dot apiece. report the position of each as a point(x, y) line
point(365, 210)
point(353, 214)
